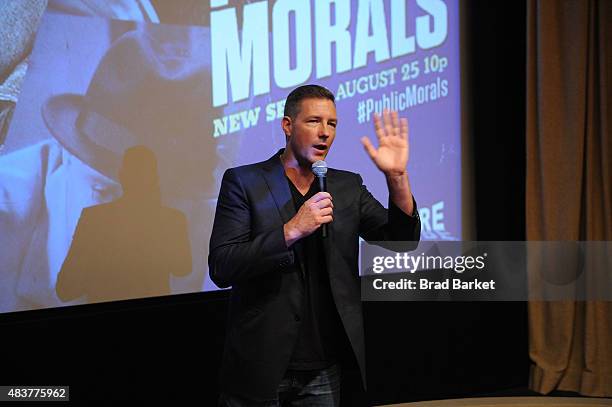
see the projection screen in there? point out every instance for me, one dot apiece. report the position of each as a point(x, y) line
point(202, 85)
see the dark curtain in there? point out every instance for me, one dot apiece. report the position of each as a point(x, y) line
point(569, 181)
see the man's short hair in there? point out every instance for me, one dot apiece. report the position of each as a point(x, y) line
point(292, 104)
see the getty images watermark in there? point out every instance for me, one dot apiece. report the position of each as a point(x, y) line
point(486, 271)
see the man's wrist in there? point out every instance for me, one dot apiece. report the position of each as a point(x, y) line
point(399, 191)
point(397, 182)
point(292, 234)
point(396, 174)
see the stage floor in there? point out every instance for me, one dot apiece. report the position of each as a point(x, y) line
point(512, 401)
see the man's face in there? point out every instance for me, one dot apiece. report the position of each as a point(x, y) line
point(312, 132)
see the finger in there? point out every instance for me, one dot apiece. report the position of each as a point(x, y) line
point(387, 123)
point(320, 196)
point(378, 127)
point(326, 212)
point(404, 129)
point(396, 123)
point(367, 144)
point(324, 203)
point(326, 219)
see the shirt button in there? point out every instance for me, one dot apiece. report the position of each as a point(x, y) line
point(297, 318)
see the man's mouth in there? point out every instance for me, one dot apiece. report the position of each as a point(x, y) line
point(320, 147)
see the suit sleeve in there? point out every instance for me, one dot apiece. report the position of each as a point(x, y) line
point(379, 224)
point(236, 255)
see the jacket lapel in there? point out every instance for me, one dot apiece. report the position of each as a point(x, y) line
point(274, 174)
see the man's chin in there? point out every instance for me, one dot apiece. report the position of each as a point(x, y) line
point(318, 156)
point(311, 158)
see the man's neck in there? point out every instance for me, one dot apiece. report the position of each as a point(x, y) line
point(300, 174)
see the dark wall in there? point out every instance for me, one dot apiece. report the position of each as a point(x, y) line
point(420, 351)
point(170, 348)
point(152, 349)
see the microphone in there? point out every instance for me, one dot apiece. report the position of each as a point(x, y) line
point(319, 168)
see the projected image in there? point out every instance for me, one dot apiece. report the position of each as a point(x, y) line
point(149, 86)
point(130, 247)
point(204, 94)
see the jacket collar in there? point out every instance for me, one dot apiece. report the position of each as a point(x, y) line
point(274, 174)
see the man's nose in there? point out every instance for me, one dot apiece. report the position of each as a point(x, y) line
point(324, 131)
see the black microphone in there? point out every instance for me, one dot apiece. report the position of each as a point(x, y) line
point(319, 168)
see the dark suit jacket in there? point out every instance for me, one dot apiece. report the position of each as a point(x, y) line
point(248, 252)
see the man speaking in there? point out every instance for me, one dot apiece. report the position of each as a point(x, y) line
point(295, 313)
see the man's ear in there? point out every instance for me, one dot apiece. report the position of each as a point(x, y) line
point(286, 124)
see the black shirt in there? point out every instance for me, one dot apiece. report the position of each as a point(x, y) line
point(321, 332)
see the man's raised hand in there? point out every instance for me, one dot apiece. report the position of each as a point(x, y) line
point(391, 157)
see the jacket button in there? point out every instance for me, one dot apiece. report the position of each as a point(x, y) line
point(297, 318)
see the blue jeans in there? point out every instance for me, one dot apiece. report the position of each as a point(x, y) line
point(299, 388)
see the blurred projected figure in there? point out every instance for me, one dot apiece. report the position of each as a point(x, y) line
point(127, 248)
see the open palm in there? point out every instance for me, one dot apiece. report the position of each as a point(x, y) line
point(391, 157)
